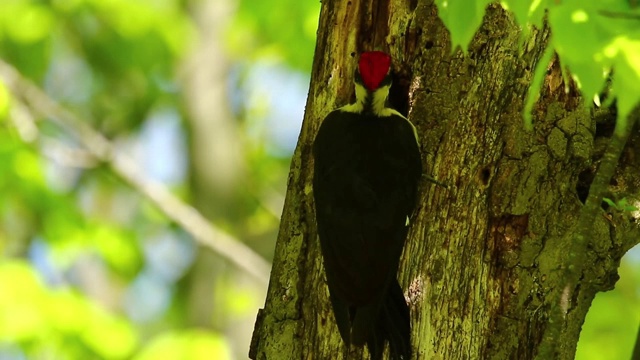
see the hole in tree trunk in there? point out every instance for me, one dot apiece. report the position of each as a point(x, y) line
point(584, 183)
point(399, 93)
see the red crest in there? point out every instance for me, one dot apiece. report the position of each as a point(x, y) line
point(374, 66)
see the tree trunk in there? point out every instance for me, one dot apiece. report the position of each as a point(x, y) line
point(481, 266)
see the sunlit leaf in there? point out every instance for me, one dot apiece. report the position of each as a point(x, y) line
point(5, 101)
point(462, 18)
point(577, 45)
point(240, 300)
point(27, 166)
point(186, 345)
point(258, 30)
point(626, 85)
point(31, 313)
point(527, 11)
point(534, 88)
point(27, 22)
point(21, 294)
point(68, 312)
point(109, 336)
point(119, 249)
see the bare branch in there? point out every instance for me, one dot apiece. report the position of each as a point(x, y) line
point(40, 104)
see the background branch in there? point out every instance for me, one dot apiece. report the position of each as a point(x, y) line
point(41, 105)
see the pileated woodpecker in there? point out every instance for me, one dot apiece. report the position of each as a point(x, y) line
point(367, 169)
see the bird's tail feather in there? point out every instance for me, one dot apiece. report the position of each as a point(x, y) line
point(393, 325)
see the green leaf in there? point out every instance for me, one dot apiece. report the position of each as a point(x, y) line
point(624, 205)
point(610, 202)
point(590, 77)
point(534, 88)
point(626, 81)
point(462, 19)
point(526, 11)
point(577, 40)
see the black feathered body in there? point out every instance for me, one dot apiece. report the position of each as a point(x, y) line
point(367, 170)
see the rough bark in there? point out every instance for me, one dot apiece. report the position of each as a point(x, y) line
point(482, 265)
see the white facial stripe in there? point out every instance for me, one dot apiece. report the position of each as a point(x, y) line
point(380, 100)
point(378, 104)
point(380, 109)
point(361, 98)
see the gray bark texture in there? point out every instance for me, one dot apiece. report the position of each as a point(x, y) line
point(482, 268)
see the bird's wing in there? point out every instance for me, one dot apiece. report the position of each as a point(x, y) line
point(365, 182)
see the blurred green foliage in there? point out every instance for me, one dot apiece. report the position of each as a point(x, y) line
point(75, 241)
point(61, 322)
point(186, 345)
point(125, 51)
point(266, 30)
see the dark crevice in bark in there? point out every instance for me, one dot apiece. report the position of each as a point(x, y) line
point(584, 182)
point(374, 26)
point(399, 93)
point(485, 175)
